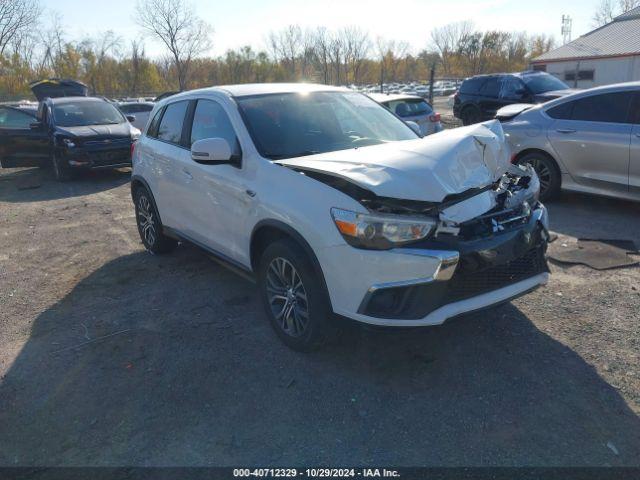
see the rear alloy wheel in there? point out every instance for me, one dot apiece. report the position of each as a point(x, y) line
point(547, 171)
point(293, 296)
point(149, 226)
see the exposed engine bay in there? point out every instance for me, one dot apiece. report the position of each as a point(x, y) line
point(475, 212)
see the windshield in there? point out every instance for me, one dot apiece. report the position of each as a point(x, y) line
point(543, 83)
point(292, 125)
point(82, 113)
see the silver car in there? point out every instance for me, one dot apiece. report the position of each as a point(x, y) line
point(411, 108)
point(587, 142)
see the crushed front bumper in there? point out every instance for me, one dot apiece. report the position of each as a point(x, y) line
point(439, 279)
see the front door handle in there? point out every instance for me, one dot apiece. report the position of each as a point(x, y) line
point(187, 174)
point(251, 193)
point(638, 134)
point(565, 130)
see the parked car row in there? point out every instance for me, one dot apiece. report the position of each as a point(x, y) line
point(67, 131)
point(300, 186)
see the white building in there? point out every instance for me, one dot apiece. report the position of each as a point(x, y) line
point(609, 54)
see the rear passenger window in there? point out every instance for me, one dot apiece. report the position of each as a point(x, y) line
point(491, 87)
point(170, 129)
point(608, 108)
point(472, 85)
point(211, 121)
point(561, 112)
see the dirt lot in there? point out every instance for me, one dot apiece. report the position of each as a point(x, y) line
point(111, 356)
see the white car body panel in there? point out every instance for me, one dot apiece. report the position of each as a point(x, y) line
point(219, 206)
point(425, 169)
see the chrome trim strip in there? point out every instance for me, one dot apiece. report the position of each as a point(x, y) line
point(448, 261)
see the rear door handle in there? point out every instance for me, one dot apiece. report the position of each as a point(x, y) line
point(565, 130)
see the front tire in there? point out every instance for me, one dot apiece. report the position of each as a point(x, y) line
point(149, 226)
point(548, 174)
point(61, 171)
point(293, 296)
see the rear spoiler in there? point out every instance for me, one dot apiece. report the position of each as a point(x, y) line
point(511, 111)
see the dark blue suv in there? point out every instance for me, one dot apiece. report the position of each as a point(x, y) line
point(480, 97)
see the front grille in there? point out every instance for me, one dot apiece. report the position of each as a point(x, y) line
point(110, 157)
point(415, 302)
point(465, 284)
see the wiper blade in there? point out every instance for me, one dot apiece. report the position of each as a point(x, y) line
point(280, 156)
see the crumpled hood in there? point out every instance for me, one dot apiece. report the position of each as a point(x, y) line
point(427, 169)
point(119, 130)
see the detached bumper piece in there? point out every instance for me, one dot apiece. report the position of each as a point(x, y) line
point(484, 266)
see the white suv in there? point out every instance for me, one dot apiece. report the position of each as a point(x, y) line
point(337, 207)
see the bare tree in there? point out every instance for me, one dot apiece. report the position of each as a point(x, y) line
point(16, 16)
point(357, 45)
point(286, 46)
point(607, 10)
point(176, 24)
point(322, 57)
point(448, 39)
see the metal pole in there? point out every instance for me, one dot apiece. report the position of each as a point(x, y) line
point(431, 79)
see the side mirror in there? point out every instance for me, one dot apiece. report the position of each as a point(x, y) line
point(212, 151)
point(36, 125)
point(415, 127)
point(131, 118)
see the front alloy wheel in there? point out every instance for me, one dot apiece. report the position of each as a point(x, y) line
point(287, 297)
point(293, 295)
point(547, 171)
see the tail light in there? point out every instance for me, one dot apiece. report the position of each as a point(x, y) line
point(133, 148)
point(434, 118)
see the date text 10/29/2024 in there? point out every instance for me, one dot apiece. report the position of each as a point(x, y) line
point(316, 472)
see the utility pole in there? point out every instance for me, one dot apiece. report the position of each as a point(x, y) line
point(566, 29)
point(432, 77)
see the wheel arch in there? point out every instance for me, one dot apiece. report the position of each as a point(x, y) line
point(268, 231)
point(139, 182)
point(527, 151)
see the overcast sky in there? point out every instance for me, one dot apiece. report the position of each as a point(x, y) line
point(246, 22)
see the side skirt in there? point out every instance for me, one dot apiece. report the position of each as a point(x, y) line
point(216, 256)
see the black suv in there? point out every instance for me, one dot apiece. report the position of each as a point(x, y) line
point(66, 133)
point(480, 97)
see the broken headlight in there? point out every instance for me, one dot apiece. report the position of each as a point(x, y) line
point(380, 232)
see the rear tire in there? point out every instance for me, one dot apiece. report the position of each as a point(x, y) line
point(149, 226)
point(294, 298)
point(470, 116)
point(548, 173)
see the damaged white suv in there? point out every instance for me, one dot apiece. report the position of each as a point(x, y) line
point(336, 206)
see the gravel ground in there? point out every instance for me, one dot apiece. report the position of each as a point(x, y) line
point(111, 356)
